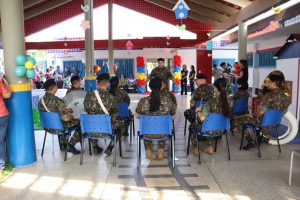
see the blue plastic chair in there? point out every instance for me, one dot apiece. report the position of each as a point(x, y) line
point(198, 104)
point(51, 120)
point(161, 125)
point(272, 119)
point(240, 107)
point(214, 122)
point(97, 124)
point(125, 113)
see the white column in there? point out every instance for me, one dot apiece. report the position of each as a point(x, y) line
point(255, 69)
point(89, 40)
point(110, 39)
point(242, 41)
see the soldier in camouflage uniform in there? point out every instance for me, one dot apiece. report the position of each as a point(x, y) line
point(168, 94)
point(121, 97)
point(156, 104)
point(50, 103)
point(92, 106)
point(275, 99)
point(204, 92)
point(242, 92)
point(161, 72)
point(218, 104)
point(75, 81)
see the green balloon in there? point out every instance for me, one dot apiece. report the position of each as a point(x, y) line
point(30, 73)
point(29, 58)
point(20, 71)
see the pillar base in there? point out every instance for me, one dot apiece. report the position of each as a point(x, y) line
point(90, 83)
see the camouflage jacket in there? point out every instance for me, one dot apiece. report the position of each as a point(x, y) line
point(241, 94)
point(203, 92)
point(122, 96)
point(170, 95)
point(163, 73)
point(73, 88)
point(275, 99)
point(92, 106)
point(166, 107)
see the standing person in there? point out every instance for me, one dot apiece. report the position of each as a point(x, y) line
point(57, 72)
point(191, 78)
point(124, 82)
point(60, 82)
point(75, 72)
point(184, 75)
point(50, 70)
point(92, 106)
point(225, 69)
point(156, 104)
point(161, 72)
point(217, 72)
point(243, 73)
point(49, 74)
point(66, 72)
point(4, 94)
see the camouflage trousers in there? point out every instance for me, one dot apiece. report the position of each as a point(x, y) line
point(240, 121)
point(75, 138)
point(117, 127)
point(190, 115)
point(148, 144)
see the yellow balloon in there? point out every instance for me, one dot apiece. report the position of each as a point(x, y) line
point(28, 65)
point(99, 68)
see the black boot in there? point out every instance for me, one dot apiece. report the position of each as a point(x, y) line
point(251, 143)
point(72, 149)
point(63, 147)
point(109, 150)
point(97, 150)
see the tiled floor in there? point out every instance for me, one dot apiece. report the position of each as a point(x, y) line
point(245, 177)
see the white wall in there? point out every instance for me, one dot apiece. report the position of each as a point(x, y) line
point(290, 69)
point(188, 56)
point(225, 54)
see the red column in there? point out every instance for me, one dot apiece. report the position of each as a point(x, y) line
point(204, 63)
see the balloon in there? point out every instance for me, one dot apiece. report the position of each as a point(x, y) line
point(140, 89)
point(28, 65)
point(29, 58)
point(20, 71)
point(176, 69)
point(99, 68)
point(30, 73)
point(140, 70)
point(20, 60)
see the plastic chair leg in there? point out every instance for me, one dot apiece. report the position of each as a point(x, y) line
point(173, 152)
point(115, 152)
point(242, 140)
point(52, 144)
point(133, 126)
point(277, 137)
point(227, 144)
point(139, 150)
point(216, 144)
point(189, 141)
point(67, 146)
point(58, 137)
point(198, 146)
point(90, 148)
point(257, 142)
point(291, 168)
point(82, 147)
point(185, 126)
point(44, 144)
point(131, 133)
point(120, 148)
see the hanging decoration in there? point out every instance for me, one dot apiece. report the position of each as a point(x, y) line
point(209, 45)
point(277, 10)
point(85, 8)
point(97, 69)
point(116, 67)
point(208, 34)
point(177, 73)
point(85, 24)
point(168, 40)
point(24, 66)
point(129, 45)
point(181, 10)
point(141, 77)
point(181, 27)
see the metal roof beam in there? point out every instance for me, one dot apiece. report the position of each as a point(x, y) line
point(221, 7)
point(30, 3)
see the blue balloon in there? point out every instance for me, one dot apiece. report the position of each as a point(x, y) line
point(141, 70)
point(30, 73)
point(20, 60)
point(140, 89)
point(29, 58)
point(176, 69)
point(20, 71)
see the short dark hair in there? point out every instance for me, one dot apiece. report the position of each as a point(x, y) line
point(201, 76)
point(222, 63)
point(278, 80)
point(160, 59)
point(49, 84)
point(75, 78)
point(103, 77)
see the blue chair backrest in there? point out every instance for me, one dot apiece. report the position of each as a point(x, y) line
point(51, 120)
point(123, 111)
point(240, 105)
point(156, 124)
point(95, 124)
point(215, 122)
point(200, 103)
point(271, 118)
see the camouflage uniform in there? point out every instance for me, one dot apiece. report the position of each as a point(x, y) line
point(55, 104)
point(241, 94)
point(72, 89)
point(202, 93)
point(166, 107)
point(92, 106)
point(170, 95)
point(213, 105)
point(122, 96)
point(162, 73)
point(275, 99)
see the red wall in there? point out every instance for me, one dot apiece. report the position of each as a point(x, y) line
point(204, 63)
